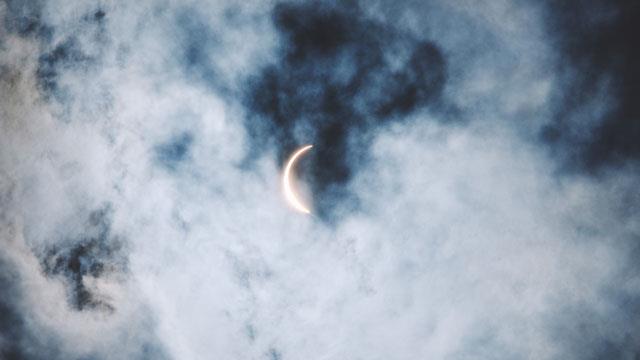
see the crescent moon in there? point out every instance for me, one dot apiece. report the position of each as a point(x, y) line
point(289, 194)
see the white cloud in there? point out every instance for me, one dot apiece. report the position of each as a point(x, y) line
point(465, 243)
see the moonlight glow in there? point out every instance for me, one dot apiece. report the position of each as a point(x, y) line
point(289, 194)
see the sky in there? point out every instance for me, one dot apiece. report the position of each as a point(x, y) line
point(473, 181)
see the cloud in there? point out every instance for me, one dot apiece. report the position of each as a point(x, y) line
point(338, 77)
point(141, 210)
point(598, 60)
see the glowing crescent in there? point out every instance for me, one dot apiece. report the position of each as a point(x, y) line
point(286, 181)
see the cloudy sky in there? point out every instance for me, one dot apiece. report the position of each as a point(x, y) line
point(474, 179)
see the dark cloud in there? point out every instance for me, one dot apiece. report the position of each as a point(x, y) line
point(97, 254)
point(17, 340)
point(197, 48)
point(25, 18)
point(584, 332)
point(175, 151)
point(340, 75)
point(99, 15)
point(598, 60)
point(274, 354)
point(63, 57)
point(100, 254)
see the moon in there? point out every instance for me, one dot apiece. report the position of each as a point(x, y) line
point(289, 194)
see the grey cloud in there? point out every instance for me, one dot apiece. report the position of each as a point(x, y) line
point(597, 59)
point(338, 78)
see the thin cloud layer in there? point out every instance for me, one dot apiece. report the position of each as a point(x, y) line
point(467, 204)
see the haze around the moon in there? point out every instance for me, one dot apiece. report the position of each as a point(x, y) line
point(474, 179)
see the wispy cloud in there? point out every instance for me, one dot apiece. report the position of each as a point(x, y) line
point(140, 205)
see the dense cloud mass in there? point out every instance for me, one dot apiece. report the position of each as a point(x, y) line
point(474, 180)
point(334, 78)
